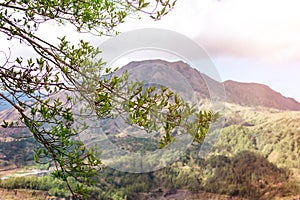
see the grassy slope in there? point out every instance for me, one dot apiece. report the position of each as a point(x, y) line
point(274, 134)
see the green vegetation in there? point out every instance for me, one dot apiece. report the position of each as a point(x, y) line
point(19, 153)
point(245, 175)
point(271, 133)
point(55, 187)
point(255, 157)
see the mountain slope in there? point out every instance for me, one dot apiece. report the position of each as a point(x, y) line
point(254, 94)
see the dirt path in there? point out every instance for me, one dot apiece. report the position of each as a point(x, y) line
point(8, 171)
point(19, 172)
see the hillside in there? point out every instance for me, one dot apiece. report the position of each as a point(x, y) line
point(270, 132)
point(254, 94)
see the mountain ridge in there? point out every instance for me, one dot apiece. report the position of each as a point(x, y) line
point(261, 95)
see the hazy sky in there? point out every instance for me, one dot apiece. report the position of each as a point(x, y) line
point(248, 40)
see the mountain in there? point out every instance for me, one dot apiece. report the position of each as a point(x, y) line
point(245, 94)
point(254, 94)
point(196, 80)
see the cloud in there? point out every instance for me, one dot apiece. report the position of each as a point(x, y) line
point(267, 30)
point(262, 29)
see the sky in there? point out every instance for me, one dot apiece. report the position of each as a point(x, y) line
point(247, 40)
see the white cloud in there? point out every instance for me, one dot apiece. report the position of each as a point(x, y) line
point(264, 29)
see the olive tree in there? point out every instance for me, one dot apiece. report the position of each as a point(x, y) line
point(66, 68)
